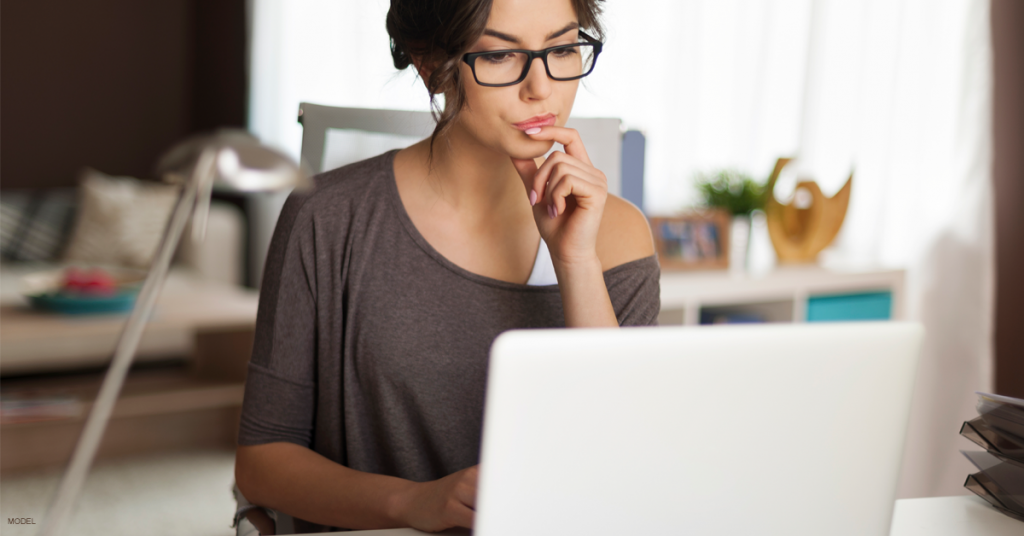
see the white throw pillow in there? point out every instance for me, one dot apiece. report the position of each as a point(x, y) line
point(120, 220)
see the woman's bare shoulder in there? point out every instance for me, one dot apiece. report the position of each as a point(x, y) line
point(625, 234)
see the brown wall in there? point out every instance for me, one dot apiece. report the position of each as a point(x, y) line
point(1008, 173)
point(112, 83)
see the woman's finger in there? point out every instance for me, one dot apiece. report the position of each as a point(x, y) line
point(527, 169)
point(465, 491)
point(467, 497)
point(545, 173)
point(568, 137)
point(461, 515)
point(583, 191)
point(558, 171)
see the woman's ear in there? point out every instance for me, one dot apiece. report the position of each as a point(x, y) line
point(421, 69)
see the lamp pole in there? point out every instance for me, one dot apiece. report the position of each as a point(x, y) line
point(99, 415)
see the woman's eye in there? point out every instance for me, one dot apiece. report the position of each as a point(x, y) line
point(497, 58)
point(565, 52)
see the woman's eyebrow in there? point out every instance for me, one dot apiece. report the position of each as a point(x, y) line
point(513, 39)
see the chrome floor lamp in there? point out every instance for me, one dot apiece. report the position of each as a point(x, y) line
point(232, 158)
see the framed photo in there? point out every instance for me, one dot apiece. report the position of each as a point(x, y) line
point(694, 241)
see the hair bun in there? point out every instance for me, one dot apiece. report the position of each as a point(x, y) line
point(399, 57)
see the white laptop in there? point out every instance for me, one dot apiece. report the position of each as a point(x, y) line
point(770, 429)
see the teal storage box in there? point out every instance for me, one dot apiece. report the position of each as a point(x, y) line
point(847, 307)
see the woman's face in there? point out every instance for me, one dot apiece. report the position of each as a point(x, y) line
point(497, 116)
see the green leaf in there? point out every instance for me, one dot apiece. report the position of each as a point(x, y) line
point(731, 190)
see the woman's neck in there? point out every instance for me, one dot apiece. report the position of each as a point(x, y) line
point(468, 176)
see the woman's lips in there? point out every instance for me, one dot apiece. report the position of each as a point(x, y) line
point(545, 120)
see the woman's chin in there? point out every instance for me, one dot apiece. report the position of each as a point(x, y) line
point(530, 149)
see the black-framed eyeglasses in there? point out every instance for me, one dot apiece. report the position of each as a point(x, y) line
point(498, 68)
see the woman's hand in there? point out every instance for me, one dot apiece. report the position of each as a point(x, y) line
point(441, 504)
point(568, 195)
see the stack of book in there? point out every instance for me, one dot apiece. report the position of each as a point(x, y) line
point(999, 429)
point(24, 407)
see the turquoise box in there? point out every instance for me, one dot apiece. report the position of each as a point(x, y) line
point(847, 307)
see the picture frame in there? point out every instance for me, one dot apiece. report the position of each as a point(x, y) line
point(696, 240)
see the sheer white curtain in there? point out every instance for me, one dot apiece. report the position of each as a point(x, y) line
point(899, 90)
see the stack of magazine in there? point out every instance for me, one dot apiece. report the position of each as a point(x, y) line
point(29, 406)
point(999, 429)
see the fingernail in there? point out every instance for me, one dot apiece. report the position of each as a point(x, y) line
point(533, 198)
point(552, 211)
point(533, 130)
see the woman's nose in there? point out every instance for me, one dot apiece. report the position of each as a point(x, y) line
point(537, 85)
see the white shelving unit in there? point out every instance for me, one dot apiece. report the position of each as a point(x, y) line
point(779, 296)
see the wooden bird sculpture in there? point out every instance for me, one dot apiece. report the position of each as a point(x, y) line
point(799, 233)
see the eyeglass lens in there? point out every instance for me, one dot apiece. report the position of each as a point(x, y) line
point(507, 67)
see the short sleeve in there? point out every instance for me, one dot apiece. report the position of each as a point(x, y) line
point(635, 291)
point(280, 388)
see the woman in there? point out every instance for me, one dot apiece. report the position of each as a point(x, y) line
point(385, 286)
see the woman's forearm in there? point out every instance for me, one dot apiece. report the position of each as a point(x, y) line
point(585, 300)
point(295, 480)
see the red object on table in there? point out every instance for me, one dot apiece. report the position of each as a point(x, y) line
point(94, 281)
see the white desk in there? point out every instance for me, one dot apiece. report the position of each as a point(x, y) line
point(951, 516)
point(938, 516)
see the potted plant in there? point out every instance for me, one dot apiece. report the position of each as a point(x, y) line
point(739, 195)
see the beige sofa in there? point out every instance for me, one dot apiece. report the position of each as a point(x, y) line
point(214, 265)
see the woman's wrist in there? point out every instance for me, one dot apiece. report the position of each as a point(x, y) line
point(399, 503)
point(576, 265)
point(585, 300)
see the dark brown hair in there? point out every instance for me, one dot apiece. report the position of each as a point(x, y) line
point(436, 33)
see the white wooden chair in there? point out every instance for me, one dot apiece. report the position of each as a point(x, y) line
point(334, 136)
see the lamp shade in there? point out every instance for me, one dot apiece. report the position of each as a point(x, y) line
point(242, 163)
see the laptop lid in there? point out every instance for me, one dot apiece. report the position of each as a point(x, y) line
point(769, 429)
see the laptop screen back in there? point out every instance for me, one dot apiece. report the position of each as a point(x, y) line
point(782, 429)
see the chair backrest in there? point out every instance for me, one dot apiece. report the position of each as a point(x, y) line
point(328, 141)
